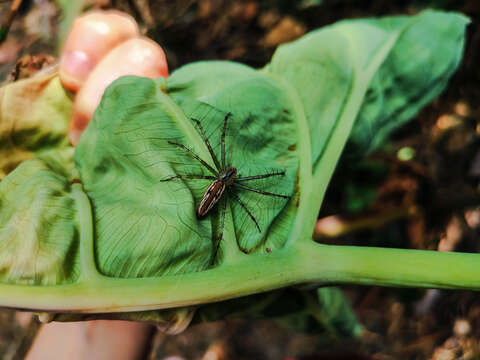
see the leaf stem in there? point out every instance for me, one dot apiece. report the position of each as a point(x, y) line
point(334, 226)
point(305, 262)
point(396, 267)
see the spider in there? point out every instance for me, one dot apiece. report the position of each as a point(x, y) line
point(224, 178)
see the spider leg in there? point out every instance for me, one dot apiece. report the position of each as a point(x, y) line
point(223, 139)
point(205, 139)
point(222, 226)
point(281, 173)
point(245, 187)
point(203, 162)
point(189, 177)
point(242, 204)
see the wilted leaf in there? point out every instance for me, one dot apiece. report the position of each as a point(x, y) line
point(39, 235)
point(34, 117)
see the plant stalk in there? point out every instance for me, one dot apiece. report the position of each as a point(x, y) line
point(306, 262)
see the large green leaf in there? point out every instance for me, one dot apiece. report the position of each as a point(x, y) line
point(140, 244)
point(403, 61)
point(415, 71)
point(139, 217)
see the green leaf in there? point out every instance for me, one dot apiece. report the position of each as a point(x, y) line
point(404, 62)
point(416, 70)
point(323, 311)
point(321, 69)
point(319, 311)
point(335, 312)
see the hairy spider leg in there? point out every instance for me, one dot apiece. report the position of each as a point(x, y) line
point(242, 204)
point(220, 167)
point(222, 141)
point(222, 226)
point(205, 139)
point(282, 173)
point(203, 162)
point(187, 177)
point(245, 187)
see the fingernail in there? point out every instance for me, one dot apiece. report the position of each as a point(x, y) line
point(77, 63)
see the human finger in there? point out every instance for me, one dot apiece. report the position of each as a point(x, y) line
point(92, 36)
point(140, 57)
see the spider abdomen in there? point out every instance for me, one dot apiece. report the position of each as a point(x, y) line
point(211, 196)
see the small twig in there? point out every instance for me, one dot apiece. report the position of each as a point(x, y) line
point(8, 21)
point(334, 226)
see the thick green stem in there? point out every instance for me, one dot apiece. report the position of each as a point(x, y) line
point(397, 267)
point(305, 262)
